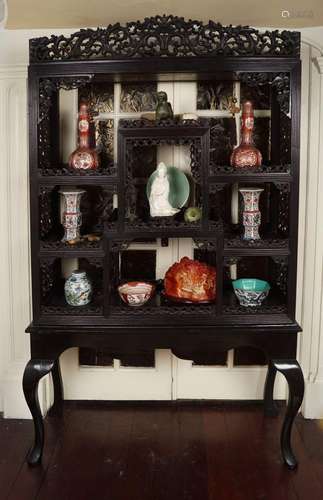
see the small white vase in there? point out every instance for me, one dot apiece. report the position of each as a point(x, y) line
point(78, 289)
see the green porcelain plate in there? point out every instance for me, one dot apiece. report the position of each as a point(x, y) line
point(179, 187)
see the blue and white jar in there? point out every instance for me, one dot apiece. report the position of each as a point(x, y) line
point(78, 289)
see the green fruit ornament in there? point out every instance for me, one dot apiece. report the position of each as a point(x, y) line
point(192, 214)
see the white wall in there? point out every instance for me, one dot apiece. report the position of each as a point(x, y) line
point(14, 224)
point(310, 271)
point(15, 297)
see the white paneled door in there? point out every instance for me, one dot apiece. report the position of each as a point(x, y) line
point(167, 377)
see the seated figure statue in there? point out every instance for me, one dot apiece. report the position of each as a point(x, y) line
point(159, 194)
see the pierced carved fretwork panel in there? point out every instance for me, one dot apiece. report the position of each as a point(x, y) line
point(48, 271)
point(97, 209)
point(46, 219)
point(104, 139)
point(279, 82)
point(236, 309)
point(222, 141)
point(285, 138)
point(219, 203)
point(281, 273)
point(259, 95)
point(283, 208)
point(164, 36)
point(170, 123)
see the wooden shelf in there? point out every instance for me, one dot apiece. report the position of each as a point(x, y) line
point(258, 177)
point(78, 180)
point(265, 246)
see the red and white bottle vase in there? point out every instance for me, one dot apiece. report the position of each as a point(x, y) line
point(246, 155)
point(71, 216)
point(251, 217)
point(84, 158)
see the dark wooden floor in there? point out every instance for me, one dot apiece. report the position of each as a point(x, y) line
point(191, 452)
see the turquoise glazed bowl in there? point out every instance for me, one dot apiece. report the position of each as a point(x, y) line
point(250, 291)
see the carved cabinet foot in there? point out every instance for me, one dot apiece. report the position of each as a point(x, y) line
point(294, 376)
point(34, 371)
point(270, 407)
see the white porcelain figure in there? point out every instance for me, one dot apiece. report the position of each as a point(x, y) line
point(159, 194)
point(251, 213)
point(71, 214)
point(78, 289)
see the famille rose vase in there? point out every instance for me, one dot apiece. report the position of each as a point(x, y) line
point(246, 155)
point(251, 217)
point(78, 289)
point(71, 214)
point(84, 157)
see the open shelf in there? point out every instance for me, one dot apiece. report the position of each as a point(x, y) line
point(164, 226)
point(53, 246)
point(125, 264)
point(235, 245)
point(251, 176)
point(74, 178)
point(97, 214)
point(274, 206)
point(52, 298)
point(56, 304)
point(159, 305)
point(64, 172)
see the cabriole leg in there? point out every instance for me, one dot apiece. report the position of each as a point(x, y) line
point(56, 409)
point(294, 376)
point(270, 407)
point(34, 371)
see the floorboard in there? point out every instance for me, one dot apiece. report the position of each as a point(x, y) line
point(196, 451)
point(311, 435)
point(30, 479)
point(14, 439)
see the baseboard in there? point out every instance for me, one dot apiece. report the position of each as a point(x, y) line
point(82, 403)
point(14, 405)
point(313, 400)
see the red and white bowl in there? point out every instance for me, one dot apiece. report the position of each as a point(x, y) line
point(136, 293)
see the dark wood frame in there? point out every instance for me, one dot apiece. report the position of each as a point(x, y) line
point(275, 334)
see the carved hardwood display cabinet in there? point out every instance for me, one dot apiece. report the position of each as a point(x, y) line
point(115, 208)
